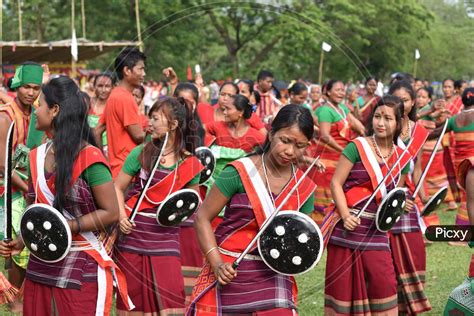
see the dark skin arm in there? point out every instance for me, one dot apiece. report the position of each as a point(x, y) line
point(210, 208)
point(409, 202)
point(417, 171)
point(470, 195)
point(98, 131)
point(325, 136)
point(136, 133)
point(436, 133)
point(106, 214)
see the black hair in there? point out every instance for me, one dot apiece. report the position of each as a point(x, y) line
point(297, 88)
point(242, 104)
point(288, 116)
point(142, 90)
point(105, 74)
point(427, 91)
point(396, 104)
point(263, 74)
point(249, 83)
point(401, 76)
point(129, 57)
point(9, 84)
point(369, 78)
point(236, 87)
point(458, 84)
point(187, 86)
point(468, 97)
point(403, 84)
point(186, 138)
point(448, 79)
point(71, 131)
point(329, 84)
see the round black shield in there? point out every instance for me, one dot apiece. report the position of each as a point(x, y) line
point(206, 157)
point(292, 244)
point(178, 207)
point(45, 232)
point(435, 201)
point(390, 210)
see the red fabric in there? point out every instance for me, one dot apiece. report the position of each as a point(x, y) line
point(275, 312)
point(360, 280)
point(409, 259)
point(246, 142)
point(120, 112)
point(463, 169)
point(40, 299)
point(144, 121)
point(189, 247)
point(155, 283)
point(205, 112)
point(471, 267)
point(192, 258)
point(174, 181)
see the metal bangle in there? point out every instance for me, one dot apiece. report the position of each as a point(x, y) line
point(210, 250)
point(78, 225)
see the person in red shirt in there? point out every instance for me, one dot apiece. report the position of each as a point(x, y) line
point(234, 131)
point(121, 119)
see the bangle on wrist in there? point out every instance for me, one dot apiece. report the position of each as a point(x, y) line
point(78, 224)
point(210, 250)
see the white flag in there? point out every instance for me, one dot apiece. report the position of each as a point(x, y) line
point(326, 47)
point(417, 54)
point(74, 49)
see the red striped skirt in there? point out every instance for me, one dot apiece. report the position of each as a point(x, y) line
point(155, 283)
point(40, 299)
point(409, 258)
point(359, 282)
point(191, 259)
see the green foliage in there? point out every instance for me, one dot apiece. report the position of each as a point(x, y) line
point(238, 38)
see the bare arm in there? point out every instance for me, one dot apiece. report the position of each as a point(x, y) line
point(356, 125)
point(325, 136)
point(98, 131)
point(470, 195)
point(5, 98)
point(210, 208)
point(172, 78)
point(417, 171)
point(107, 211)
point(121, 184)
point(136, 132)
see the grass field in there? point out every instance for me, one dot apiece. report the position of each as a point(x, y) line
point(446, 266)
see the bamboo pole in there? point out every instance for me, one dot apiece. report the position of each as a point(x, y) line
point(321, 61)
point(73, 20)
point(83, 16)
point(20, 22)
point(415, 67)
point(139, 32)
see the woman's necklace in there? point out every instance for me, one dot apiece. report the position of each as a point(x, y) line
point(163, 156)
point(378, 152)
point(406, 134)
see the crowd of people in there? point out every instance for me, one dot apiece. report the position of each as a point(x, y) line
point(91, 153)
